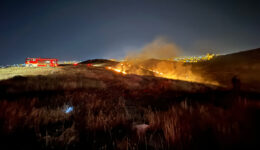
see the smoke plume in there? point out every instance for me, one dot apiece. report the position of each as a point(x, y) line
point(160, 48)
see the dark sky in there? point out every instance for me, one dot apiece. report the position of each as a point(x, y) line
point(80, 30)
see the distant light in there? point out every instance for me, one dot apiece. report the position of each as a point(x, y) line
point(69, 109)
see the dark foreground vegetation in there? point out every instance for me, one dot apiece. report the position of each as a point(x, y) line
point(115, 111)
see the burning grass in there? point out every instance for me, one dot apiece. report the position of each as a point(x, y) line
point(163, 69)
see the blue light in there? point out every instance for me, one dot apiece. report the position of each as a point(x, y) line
point(69, 109)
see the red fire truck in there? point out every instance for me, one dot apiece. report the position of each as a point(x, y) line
point(41, 62)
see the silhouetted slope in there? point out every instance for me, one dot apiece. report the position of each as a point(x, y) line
point(245, 65)
point(99, 61)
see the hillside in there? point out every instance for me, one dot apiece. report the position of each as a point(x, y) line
point(81, 106)
point(245, 65)
point(72, 108)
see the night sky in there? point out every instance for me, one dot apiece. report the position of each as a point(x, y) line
point(80, 30)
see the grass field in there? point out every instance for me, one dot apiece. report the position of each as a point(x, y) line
point(115, 111)
point(6, 73)
point(79, 107)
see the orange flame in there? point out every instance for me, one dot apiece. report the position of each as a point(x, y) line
point(116, 70)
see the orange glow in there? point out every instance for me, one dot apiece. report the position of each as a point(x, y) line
point(165, 69)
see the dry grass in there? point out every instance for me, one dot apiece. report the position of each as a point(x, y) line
point(181, 125)
point(6, 73)
point(108, 107)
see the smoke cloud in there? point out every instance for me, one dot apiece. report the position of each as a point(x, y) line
point(160, 48)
